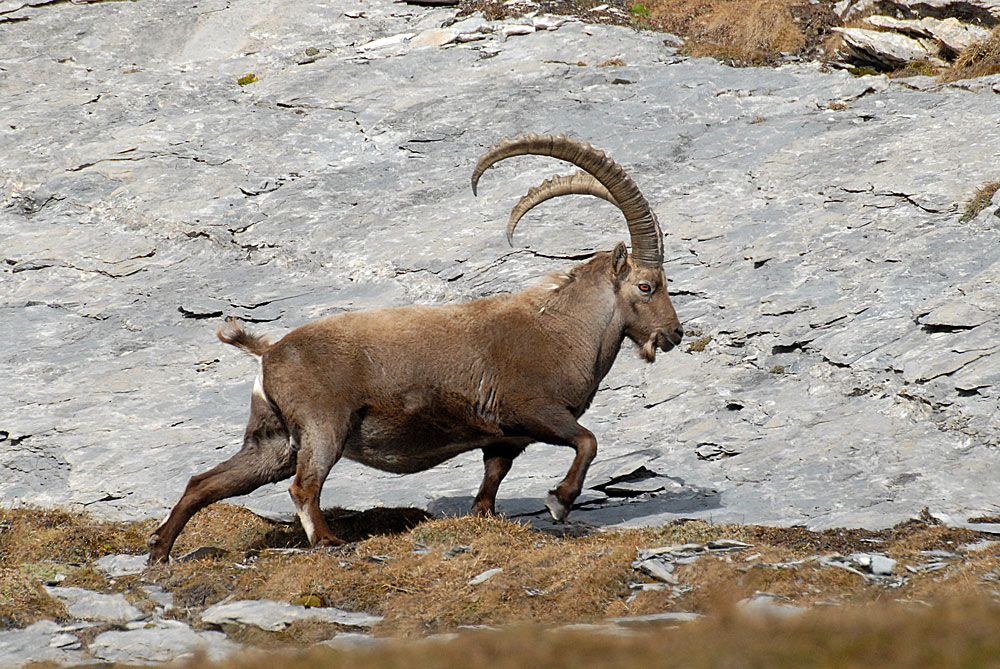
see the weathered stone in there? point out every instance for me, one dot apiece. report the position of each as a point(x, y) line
point(40, 642)
point(276, 616)
point(517, 29)
point(121, 565)
point(878, 564)
point(436, 37)
point(162, 641)
point(656, 618)
point(884, 49)
point(957, 314)
point(484, 576)
point(88, 605)
point(950, 33)
point(981, 12)
point(763, 605)
point(352, 640)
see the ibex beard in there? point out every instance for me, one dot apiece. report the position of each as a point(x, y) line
point(407, 388)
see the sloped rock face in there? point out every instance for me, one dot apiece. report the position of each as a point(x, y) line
point(848, 371)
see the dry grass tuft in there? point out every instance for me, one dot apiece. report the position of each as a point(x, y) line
point(977, 60)
point(980, 201)
point(45, 546)
point(416, 573)
point(739, 31)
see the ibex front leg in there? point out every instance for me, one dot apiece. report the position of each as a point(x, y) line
point(558, 426)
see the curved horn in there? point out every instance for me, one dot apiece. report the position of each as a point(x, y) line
point(580, 183)
point(647, 241)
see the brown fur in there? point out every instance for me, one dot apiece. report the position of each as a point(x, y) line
point(405, 389)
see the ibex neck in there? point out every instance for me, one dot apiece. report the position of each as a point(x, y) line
point(583, 310)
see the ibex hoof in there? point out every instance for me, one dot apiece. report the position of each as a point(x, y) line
point(558, 510)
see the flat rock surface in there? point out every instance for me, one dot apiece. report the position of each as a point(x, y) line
point(849, 371)
point(276, 616)
point(161, 641)
point(84, 604)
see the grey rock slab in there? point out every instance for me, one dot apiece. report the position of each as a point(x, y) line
point(352, 640)
point(138, 180)
point(950, 33)
point(889, 50)
point(977, 11)
point(122, 565)
point(276, 616)
point(763, 605)
point(880, 565)
point(161, 641)
point(85, 604)
point(656, 618)
point(40, 642)
point(484, 576)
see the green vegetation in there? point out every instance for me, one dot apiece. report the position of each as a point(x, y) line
point(699, 345)
point(247, 78)
point(864, 71)
point(917, 68)
point(641, 10)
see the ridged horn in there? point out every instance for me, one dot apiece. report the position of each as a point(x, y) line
point(647, 241)
point(580, 183)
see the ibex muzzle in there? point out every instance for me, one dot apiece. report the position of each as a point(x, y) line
point(405, 389)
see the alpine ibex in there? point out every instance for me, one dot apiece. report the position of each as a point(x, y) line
point(407, 388)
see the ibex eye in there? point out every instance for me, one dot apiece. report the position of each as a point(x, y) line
point(645, 288)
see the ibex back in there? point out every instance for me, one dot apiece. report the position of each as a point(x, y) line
point(405, 389)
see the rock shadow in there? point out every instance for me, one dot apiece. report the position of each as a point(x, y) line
point(598, 507)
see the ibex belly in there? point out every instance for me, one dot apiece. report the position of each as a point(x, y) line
point(412, 437)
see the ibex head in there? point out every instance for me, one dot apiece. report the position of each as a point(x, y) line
point(640, 284)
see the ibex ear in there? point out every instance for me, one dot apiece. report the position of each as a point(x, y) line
point(618, 259)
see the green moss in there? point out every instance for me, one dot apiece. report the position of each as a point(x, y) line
point(641, 10)
point(916, 68)
point(699, 345)
point(864, 71)
point(248, 78)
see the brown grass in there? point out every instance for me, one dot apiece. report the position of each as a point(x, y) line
point(977, 60)
point(980, 201)
point(738, 32)
point(956, 634)
point(415, 573)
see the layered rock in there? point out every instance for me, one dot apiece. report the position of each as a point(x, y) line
point(931, 31)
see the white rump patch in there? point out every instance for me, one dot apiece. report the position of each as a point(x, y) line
point(258, 387)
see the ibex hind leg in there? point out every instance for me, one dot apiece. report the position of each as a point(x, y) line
point(497, 460)
point(266, 457)
point(321, 445)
